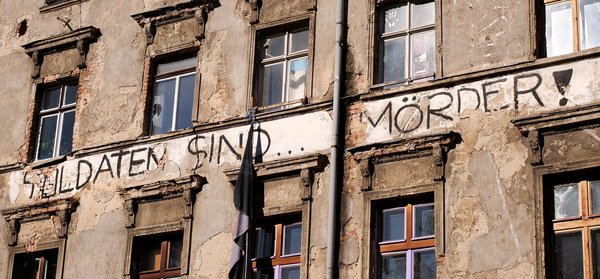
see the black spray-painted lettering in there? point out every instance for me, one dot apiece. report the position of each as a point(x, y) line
point(388, 109)
point(108, 167)
point(80, 183)
point(475, 99)
point(459, 96)
point(532, 90)
point(438, 112)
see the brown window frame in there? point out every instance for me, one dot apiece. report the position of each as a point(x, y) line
point(164, 271)
point(575, 21)
point(585, 223)
point(409, 243)
point(278, 259)
point(20, 258)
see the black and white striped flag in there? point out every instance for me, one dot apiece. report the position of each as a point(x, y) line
point(239, 262)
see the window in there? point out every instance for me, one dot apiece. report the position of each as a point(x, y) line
point(277, 250)
point(158, 256)
point(283, 67)
point(56, 119)
point(575, 247)
point(571, 25)
point(35, 265)
point(406, 239)
point(406, 40)
point(173, 100)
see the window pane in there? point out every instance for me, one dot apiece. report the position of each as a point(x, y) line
point(569, 255)
point(566, 201)
point(185, 102)
point(264, 273)
point(162, 108)
point(423, 54)
point(393, 224)
point(51, 98)
point(424, 264)
point(394, 19)
point(150, 255)
point(66, 135)
point(559, 29)
point(299, 41)
point(292, 239)
point(422, 14)
point(595, 196)
point(175, 253)
point(47, 137)
point(290, 272)
point(596, 253)
point(50, 267)
point(393, 266)
point(394, 58)
point(176, 65)
point(424, 221)
point(589, 13)
point(297, 78)
point(265, 240)
point(274, 46)
point(70, 94)
point(272, 84)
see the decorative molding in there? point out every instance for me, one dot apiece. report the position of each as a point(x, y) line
point(304, 167)
point(534, 128)
point(80, 39)
point(366, 167)
point(255, 8)
point(53, 5)
point(186, 187)
point(62, 209)
point(197, 9)
point(437, 146)
point(306, 180)
point(280, 167)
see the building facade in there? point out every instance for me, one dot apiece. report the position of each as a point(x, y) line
point(469, 144)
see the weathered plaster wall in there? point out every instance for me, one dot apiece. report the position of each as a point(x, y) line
point(485, 34)
point(489, 184)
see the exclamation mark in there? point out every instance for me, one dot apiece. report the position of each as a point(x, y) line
point(562, 80)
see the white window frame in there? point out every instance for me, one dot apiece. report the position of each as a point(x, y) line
point(414, 218)
point(408, 33)
point(283, 255)
point(285, 58)
point(400, 208)
point(410, 257)
point(177, 75)
point(59, 112)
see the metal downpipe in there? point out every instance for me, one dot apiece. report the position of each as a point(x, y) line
point(334, 182)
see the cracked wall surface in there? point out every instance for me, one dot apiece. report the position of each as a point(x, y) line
point(490, 95)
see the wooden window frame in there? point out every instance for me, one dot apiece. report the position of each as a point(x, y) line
point(575, 20)
point(164, 271)
point(585, 223)
point(59, 244)
point(279, 260)
point(409, 244)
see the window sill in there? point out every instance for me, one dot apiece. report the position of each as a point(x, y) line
point(47, 162)
point(281, 106)
point(57, 6)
